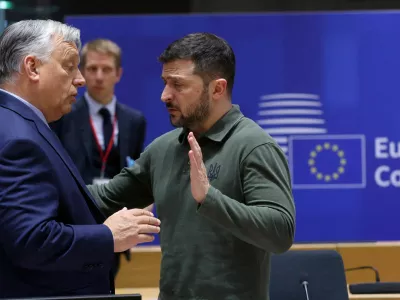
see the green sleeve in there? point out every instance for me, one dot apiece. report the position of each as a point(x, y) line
point(131, 188)
point(266, 219)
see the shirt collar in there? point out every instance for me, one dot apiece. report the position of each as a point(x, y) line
point(221, 128)
point(31, 106)
point(95, 106)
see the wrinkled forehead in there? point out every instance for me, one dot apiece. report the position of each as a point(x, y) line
point(65, 49)
point(178, 68)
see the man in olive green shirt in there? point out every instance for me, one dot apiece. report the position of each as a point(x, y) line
point(221, 185)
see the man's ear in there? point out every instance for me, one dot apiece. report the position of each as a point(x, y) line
point(119, 73)
point(31, 66)
point(218, 88)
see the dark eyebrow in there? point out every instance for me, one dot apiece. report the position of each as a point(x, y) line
point(175, 78)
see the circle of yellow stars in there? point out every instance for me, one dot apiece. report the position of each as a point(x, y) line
point(327, 177)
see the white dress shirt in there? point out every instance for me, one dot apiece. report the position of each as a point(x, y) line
point(34, 108)
point(97, 118)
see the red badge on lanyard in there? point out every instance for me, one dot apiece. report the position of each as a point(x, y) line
point(104, 155)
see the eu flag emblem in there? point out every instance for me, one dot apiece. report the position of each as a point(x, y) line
point(327, 161)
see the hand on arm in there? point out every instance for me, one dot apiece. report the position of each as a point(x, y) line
point(132, 227)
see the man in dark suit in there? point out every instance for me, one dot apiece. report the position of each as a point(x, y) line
point(51, 236)
point(101, 135)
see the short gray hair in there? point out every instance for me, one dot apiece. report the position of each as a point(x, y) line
point(31, 37)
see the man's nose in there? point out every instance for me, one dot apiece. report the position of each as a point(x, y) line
point(166, 95)
point(99, 74)
point(79, 80)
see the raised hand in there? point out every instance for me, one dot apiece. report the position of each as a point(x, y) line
point(198, 173)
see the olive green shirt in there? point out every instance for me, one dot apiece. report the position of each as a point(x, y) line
point(221, 248)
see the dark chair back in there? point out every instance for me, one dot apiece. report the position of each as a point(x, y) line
point(321, 270)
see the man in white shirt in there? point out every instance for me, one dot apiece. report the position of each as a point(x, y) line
point(101, 134)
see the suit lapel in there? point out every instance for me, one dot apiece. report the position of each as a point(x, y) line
point(23, 110)
point(53, 140)
point(123, 135)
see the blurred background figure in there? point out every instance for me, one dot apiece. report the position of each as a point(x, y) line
point(101, 135)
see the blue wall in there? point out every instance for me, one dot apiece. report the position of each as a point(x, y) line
point(331, 81)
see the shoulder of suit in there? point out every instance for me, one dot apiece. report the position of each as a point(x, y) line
point(131, 111)
point(22, 128)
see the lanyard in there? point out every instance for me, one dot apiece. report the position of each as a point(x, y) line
point(104, 156)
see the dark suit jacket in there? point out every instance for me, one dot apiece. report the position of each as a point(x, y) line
point(75, 134)
point(49, 241)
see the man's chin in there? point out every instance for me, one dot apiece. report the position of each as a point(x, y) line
point(67, 109)
point(175, 122)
